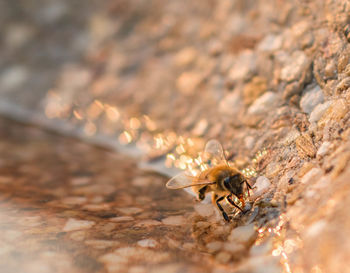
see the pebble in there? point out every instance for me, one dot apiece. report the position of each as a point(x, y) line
point(270, 43)
point(231, 103)
point(244, 66)
point(336, 111)
point(186, 56)
point(316, 228)
point(101, 244)
point(147, 243)
point(243, 234)
point(204, 210)
point(188, 82)
point(318, 111)
point(223, 257)
point(262, 249)
point(129, 210)
point(311, 175)
point(74, 200)
point(261, 185)
point(121, 219)
point(234, 248)
point(296, 65)
point(324, 148)
point(75, 224)
point(174, 220)
point(13, 77)
point(214, 246)
point(80, 181)
point(249, 142)
point(255, 88)
point(148, 223)
point(311, 99)
point(263, 103)
point(273, 169)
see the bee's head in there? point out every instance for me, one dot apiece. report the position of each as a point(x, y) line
point(234, 184)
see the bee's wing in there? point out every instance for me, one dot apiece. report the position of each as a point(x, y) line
point(184, 180)
point(214, 153)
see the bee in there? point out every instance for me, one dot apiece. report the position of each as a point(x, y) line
point(222, 180)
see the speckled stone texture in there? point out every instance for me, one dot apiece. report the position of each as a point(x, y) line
point(269, 79)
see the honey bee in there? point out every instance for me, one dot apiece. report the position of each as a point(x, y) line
point(223, 180)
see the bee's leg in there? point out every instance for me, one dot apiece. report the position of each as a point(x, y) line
point(201, 193)
point(228, 198)
point(224, 214)
point(249, 187)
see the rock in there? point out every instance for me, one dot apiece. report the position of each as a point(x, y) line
point(244, 66)
point(234, 248)
point(311, 99)
point(186, 56)
point(188, 82)
point(261, 185)
point(231, 103)
point(254, 89)
point(262, 249)
point(335, 112)
point(270, 43)
point(129, 210)
point(324, 148)
point(75, 224)
point(263, 103)
point(121, 219)
point(249, 142)
point(243, 234)
point(174, 220)
point(305, 146)
point(310, 175)
point(318, 111)
point(297, 64)
point(13, 77)
point(223, 257)
point(214, 246)
point(204, 210)
point(147, 243)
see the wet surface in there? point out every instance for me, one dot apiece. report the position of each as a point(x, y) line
point(67, 206)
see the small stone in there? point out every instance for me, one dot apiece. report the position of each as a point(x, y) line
point(263, 103)
point(273, 169)
point(297, 64)
point(313, 174)
point(262, 249)
point(101, 244)
point(324, 148)
point(249, 142)
point(254, 89)
point(318, 111)
point(231, 103)
point(270, 43)
point(129, 210)
point(147, 243)
point(305, 146)
point(311, 99)
point(75, 224)
point(13, 77)
point(186, 56)
point(122, 219)
point(261, 185)
point(214, 246)
point(244, 234)
point(74, 200)
point(223, 257)
point(234, 248)
point(343, 85)
point(188, 82)
point(148, 223)
point(316, 228)
point(244, 66)
point(204, 210)
point(174, 220)
point(81, 181)
point(335, 112)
